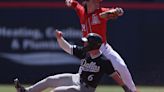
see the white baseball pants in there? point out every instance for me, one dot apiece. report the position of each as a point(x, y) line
point(118, 64)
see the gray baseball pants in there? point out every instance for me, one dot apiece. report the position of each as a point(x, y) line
point(61, 83)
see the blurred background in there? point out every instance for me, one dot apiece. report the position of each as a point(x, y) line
point(28, 48)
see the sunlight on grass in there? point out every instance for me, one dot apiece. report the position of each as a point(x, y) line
point(10, 88)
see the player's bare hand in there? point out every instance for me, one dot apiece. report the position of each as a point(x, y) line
point(68, 2)
point(59, 34)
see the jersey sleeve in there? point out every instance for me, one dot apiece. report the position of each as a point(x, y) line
point(78, 52)
point(109, 69)
point(104, 10)
point(78, 8)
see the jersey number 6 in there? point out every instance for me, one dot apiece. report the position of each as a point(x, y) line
point(90, 77)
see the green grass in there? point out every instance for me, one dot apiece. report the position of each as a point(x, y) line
point(119, 89)
point(10, 88)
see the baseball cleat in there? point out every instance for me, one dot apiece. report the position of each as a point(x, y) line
point(18, 86)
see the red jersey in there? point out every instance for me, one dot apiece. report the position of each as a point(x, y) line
point(91, 22)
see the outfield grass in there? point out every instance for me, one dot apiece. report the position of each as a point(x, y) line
point(10, 88)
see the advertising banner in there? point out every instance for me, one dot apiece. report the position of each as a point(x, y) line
point(28, 39)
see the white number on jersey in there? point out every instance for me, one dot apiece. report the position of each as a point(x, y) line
point(90, 77)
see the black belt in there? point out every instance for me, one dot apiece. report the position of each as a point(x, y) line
point(86, 85)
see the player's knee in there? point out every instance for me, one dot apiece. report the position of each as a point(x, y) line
point(123, 66)
point(120, 65)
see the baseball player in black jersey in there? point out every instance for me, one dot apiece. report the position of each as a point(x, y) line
point(93, 66)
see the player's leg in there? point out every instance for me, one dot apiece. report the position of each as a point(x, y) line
point(119, 65)
point(51, 82)
point(74, 88)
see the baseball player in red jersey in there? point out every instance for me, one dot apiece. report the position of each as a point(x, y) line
point(93, 18)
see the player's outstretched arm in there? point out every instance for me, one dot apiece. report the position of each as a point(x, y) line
point(63, 43)
point(112, 13)
point(71, 3)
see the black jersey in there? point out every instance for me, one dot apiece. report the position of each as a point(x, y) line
point(91, 70)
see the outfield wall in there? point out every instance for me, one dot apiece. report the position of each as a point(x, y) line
point(28, 48)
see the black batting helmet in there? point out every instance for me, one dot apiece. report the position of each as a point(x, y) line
point(93, 41)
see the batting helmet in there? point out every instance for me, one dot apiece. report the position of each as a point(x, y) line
point(93, 41)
